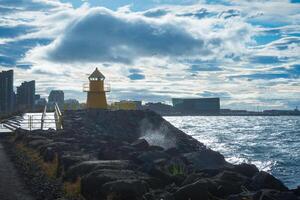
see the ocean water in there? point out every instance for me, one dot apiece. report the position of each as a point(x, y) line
point(272, 143)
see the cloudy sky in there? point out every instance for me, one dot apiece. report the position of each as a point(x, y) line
point(245, 52)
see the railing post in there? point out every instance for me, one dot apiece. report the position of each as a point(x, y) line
point(30, 123)
point(43, 118)
point(58, 117)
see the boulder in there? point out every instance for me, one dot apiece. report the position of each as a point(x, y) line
point(29, 138)
point(58, 146)
point(264, 180)
point(275, 195)
point(296, 191)
point(158, 194)
point(245, 195)
point(132, 189)
point(92, 184)
point(229, 182)
point(140, 144)
point(221, 185)
point(205, 159)
point(248, 170)
point(207, 173)
point(66, 161)
point(151, 156)
point(86, 167)
point(157, 173)
point(155, 148)
point(194, 191)
point(36, 144)
point(173, 151)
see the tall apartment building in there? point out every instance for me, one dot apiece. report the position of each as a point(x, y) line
point(6, 91)
point(56, 96)
point(26, 95)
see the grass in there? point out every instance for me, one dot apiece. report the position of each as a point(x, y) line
point(176, 169)
point(73, 189)
point(50, 168)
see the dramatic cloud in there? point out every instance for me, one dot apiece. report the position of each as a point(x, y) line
point(105, 36)
point(241, 51)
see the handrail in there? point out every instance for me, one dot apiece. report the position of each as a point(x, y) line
point(43, 117)
point(58, 117)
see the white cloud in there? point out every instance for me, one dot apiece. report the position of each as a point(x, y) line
point(162, 43)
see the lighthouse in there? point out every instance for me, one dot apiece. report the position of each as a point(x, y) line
point(96, 92)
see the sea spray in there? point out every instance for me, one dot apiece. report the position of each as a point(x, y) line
point(157, 136)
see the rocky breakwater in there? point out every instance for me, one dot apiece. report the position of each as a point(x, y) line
point(138, 155)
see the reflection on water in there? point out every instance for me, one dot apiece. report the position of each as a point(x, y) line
point(271, 143)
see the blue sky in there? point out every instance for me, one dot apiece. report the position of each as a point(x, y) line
point(246, 52)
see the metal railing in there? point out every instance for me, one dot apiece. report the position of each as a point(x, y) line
point(86, 87)
point(58, 117)
point(33, 122)
point(36, 121)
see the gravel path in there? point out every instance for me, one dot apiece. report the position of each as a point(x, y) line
point(11, 186)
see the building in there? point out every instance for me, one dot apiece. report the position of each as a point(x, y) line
point(71, 104)
point(26, 95)
point(160, 108)
point(96, 92)
point(56, 96)
point(40, 104)
point(197, 105)
point(37, 97)
point(6, 91)
point(126, 105)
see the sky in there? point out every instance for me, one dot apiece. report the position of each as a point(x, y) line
point(245, 52)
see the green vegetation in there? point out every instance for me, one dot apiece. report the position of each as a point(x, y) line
point(176, 169)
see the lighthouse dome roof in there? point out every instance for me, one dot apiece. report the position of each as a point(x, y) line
point(97, 75)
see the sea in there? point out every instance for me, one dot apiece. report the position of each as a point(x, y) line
point(272, 143)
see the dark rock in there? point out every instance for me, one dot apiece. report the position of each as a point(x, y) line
point(140, 144)
point(132, 189)
point(173, 151)
point(49, 154)
point(36, 144)
point(296, 191)
point(151, 156)
point(192, 178)
point(91, 184)
point(207, 173)
point(155, 148)
point(248, 170)
point(263, 180)
point(86, 167)
point(158, 194)
point(178, 179)
point(245, 195)
point(66, 161)
point(229, 183)
point(194, 191)
point(29, 138)
point(49, 150)
point(275, 195)
point(206, 159)
point(158, 173)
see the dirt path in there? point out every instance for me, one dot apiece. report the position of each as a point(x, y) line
point(11, 187)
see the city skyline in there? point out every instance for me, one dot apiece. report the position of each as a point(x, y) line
point(246, 53)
